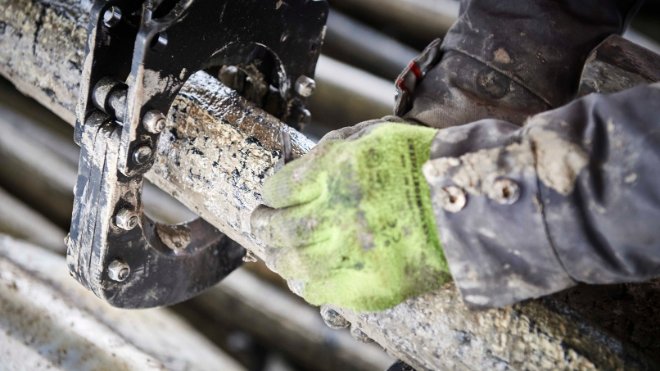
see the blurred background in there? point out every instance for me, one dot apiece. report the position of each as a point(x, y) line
point(250, 320)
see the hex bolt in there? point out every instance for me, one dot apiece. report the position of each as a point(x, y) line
point(453, 199)
point(504, 191)
point(112, 16)
point(126, 219)
point(118, 271)
point(333, 319)
point(142, 155)
point(305, 86)
point(154, 122)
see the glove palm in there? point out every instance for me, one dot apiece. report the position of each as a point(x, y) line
point(351, 223)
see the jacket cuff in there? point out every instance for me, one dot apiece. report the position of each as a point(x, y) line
point(489, 216)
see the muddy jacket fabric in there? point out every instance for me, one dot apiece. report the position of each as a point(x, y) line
point(510, 59)
point(571, 196)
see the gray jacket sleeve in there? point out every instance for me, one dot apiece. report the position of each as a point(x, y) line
point(572, 196)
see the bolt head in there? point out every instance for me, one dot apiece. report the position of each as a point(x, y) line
point(453, 199)
point(154, 122)
point(118, 271)
point(112, 16)
point(142, 155)
point(126, 219)
point(305, 86)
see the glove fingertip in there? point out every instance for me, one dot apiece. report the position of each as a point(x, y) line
point(274, 191)
point(280, 192)
point(260, 222)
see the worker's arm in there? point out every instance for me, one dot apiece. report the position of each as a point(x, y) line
point(351, 222)
point(508, 59)
point(574, 196)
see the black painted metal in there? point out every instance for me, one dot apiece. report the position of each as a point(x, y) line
point(146, 55)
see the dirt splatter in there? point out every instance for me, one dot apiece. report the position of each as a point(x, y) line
point(501, 56)
point(558, 161)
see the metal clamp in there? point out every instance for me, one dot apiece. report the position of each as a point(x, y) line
point(139, 55)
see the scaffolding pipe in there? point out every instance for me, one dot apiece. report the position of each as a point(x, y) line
point(214, 157)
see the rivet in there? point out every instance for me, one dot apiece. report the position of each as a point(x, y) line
point(504, 191)
point(118, 271)
point(453, 199)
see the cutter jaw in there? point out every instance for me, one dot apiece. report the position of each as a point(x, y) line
point(138, 57)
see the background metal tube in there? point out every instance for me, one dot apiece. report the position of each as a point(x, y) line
point(214, 156)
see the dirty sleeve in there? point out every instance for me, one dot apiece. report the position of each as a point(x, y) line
point(540, 44)
point(572, 196)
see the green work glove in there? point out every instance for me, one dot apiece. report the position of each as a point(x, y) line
point(351, 222)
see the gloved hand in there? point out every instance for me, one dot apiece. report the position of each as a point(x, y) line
point(351, 222)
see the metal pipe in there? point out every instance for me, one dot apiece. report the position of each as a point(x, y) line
point(359, 45)
point(242, 300)
point(214, 156)
point(18, 220)
point(346, 95)
point(423, 20)
point(49, 322)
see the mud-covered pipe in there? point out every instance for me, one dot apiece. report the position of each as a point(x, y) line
point(31, 141)
point(214, 157)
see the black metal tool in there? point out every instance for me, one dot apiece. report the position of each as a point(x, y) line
point(139, 55)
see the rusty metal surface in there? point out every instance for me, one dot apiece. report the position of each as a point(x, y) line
point(214, 157)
